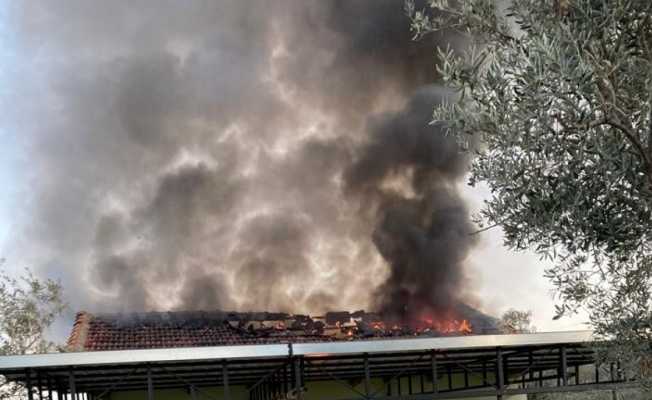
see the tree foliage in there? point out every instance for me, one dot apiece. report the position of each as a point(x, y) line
point(554, 100)
point(28, 307)
point(515, 321)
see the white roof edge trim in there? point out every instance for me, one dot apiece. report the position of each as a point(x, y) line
point(181, 354)
point(442, 343)
point(177, 354)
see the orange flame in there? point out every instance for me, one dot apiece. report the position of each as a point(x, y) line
point(465, 327)
point(446, 326)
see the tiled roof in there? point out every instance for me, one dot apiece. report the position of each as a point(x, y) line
point(218, 328)
point(158, 330)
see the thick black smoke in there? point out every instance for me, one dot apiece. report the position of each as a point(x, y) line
point(406, 175)
point(238, 155)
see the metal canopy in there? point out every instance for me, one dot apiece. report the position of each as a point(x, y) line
point(282, 350)
point(496, 361)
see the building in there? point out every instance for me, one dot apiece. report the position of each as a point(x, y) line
point(263, 356)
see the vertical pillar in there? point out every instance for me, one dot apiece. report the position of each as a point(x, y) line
point(277, 385)
point(49, 383)
point(225, 380)
point(500, 374)
point(298, 378)
point(150, 384)
point(302, 368)
point(466, 378)
point(28, 384)
point(530, 360)
point(59, 387)
point(540, 378)
point(285, 380)
point(39, 385)
point(193, 392)
point(409, 384)
point(367, 376)
point(563, 366)
point(506, 381)
point(449, 373)
point(484, 372)
point(293, 371)
point(614, 394)
point(71, 384)
point(597, 372)
point(435, 374)
point(577, 374)
point(423, 389)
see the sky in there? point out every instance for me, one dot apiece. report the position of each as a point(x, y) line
point(35, 69)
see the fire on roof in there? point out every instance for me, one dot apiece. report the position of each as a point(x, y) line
point(215, 328)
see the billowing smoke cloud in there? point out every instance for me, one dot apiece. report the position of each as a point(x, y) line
point(238, 155)
point(406, 176)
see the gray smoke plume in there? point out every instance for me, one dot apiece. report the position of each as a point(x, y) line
point(238, 155)
point(406, 177)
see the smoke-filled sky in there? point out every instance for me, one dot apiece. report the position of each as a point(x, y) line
point(239, 155)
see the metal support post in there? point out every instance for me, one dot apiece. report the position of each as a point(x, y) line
point(39, 385)
point(577, 374)
point(298, 378)
point(59, 387)
point(225, 380)
point(150, 384)
point(506, 368)
point(563, 366)
point(285, 379)
point(28, 384)
point(293, 372)
point(71, 383)
point(367, 376)
point(49, 383)
point(423, 389)
point(302, 365)
point(409, 377)
point(449, 372)
point(435, 374)
point(500, 376)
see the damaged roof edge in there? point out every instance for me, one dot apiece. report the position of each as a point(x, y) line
point(283, 350)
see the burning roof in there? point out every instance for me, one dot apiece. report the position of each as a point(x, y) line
point(216, 328)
